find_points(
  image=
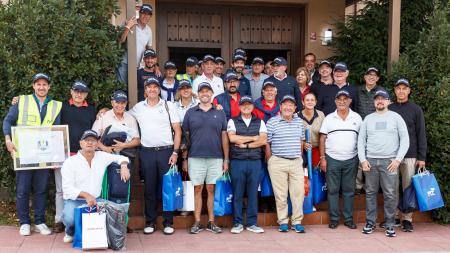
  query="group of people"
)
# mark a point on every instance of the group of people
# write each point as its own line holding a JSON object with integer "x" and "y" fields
{"x": 243, "y": 120}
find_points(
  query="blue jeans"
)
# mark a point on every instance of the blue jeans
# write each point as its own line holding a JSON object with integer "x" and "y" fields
{"x": 245, "y": 177}
{"x": 341, "y": 175}
{"x": 122, "y": 72}
{"x": 25, "y": 181}
{"x": 69, "y": 213}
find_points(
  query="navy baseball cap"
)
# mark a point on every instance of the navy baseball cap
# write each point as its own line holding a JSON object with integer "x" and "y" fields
{"x": 89, "y": 133}
{"x": 220, "y": 59}
{"x": 288, "y": 97}
{"x": 41, "y": 76}
{"x": 191, "y": 61}
{"x": 245, "y": 99}
{"x": 373, "y": 69}
{"x": 381, "y": 93}
{"x": 146, "y": 8}
{"x": 170, "y": 65}
{"x": 258, "y": 60}
{"x": 184, "y": 83}
{"x": 326, "y": 63}
{"x": 343, "y": 93}
{"x": 240, "y": 51}
{"x": 341, "y": 66}
{"x": 238, "y": 57}
{"x": 279, "y": 61}
{"x": 208, "y": 57}
{"x": 268, "y": 83}
{"x": 152, "y": 80}
{"x": 231, "y": 76}
{"x": 119, "y": 96}
{"x": 150, "y": 53}
{"x": 200, "y": 63}
{"x": 80, "y": 86}
{"x": 204, "y": 85}
{"x": 402, "y": 81}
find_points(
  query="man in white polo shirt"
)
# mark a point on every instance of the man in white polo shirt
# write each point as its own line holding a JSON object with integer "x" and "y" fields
{"x": 160, "y": 142}
{"x": 339, "y": 157}
{"x": 208, "y": 66}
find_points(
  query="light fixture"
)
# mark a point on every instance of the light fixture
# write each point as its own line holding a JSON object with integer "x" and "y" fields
{"x": 328, "y": 37}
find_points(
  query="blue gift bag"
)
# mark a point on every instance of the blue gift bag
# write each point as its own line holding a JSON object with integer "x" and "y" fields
{"x": 408, "y": 202}
{"x": 223, "y": 196}
{"x": 172, "y": 190}
{"x": 319, "y": 186}
{"x": 427, "y": 189}
{"x": 266, "y": 184}
{"x": 77, "y": 238}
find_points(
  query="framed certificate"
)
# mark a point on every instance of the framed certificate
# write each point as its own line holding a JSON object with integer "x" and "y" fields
{"x": 40, "y": 147}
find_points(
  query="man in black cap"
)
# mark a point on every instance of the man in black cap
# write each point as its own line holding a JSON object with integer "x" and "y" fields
{"x": 191, "y": 70}
{"x": 238, "y": 66}
{"x": 220, "y": 65}
{"x": 285, "y": 84}
{"x": 229, "y": 100}
{"x": 150, "y": 69}
{"x": 256, "y": 77}
{"x": 169, "y": 84}
{"x": 412, "y": 114}
{"x": 248, "y": 135}
{"x": 143, "y": 39}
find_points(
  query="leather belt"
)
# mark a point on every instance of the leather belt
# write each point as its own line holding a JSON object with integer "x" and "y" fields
{"x": 157, "y": 148}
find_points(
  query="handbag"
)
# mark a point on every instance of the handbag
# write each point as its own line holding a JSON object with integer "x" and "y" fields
{"x": 319, "y": 186}
{"x": 223, "y": 196}
{"x": 116, "y": 224}
{"x": 118, "y": 190}
{"x": 172, "y": 190}
{"x": 427, "y": 191}
{"x": 90, "y": 227}
{"x": 408, "y": 201}
{"x": 188, "y": 196}
{"x": 266, "y": 184}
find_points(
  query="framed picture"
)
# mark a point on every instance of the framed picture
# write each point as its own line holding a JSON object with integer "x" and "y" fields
{"x": 40, "y": 147}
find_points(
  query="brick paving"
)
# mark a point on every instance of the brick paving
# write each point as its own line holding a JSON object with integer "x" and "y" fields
{"x": 427, "y": 237}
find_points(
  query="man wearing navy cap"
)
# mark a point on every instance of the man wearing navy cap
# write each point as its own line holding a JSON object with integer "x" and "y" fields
{"x": 256, "y": 77}
{"x": 383, "y": 142}
{"x": 326, "y": 77}
{"x": 150, "y": 69}
{"x": 191, "y": 70}
{"x": 229, "y": 100}
{"x": 143, "y": 39}
{"x": 286, "y": 84}
{"x": 326, "y": 101}
{"x": 238, "y": 66}
{"x": 208, "y": 66}
{"x": 412, "y": 114}
{"x": 169, "y": 84}
{"x": 339, "y": 157}
{"x": 220, "y": 65}
{"x": 37, "y": 109}
{"x": 247, "y": 135}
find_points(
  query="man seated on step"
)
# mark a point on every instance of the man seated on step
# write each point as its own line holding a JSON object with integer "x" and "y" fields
{"x": 82, "y": 177}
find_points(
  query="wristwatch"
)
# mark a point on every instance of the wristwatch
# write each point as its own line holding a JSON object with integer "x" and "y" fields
{"x": 226, "y": 161}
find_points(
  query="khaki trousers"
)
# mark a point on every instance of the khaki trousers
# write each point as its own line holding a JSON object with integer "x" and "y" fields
{"x": 407, "y": 170}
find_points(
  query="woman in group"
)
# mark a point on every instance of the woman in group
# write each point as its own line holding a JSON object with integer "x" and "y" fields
{"x": 302, "y": 76}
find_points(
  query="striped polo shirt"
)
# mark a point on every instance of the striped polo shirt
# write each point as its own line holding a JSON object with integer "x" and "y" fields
{"x": 286, "y": 137}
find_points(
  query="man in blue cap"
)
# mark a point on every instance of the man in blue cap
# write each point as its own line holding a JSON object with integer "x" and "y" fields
{"x": 229, "y": 100}
{"x": 220, "y": 65}
{"x": 150, "y": 69}
{"x": 169, "y": 84}
{"x": 256, "y": 77}
{"x": 191, "y": 70}
{"x": 247, "y": 135}
{"x": 238, "y": 66}
{"x": 208, "y": 66}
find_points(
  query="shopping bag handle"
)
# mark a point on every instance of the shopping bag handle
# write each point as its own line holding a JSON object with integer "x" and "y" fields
{"x": 423, "y": 171}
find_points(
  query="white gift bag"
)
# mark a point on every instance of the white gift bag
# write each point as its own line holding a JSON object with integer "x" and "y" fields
{"x": 188, "y": 196}
{"x": 94, "y": 230}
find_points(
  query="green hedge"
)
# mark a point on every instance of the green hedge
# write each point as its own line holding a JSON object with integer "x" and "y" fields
{"x": 68, "y": 40}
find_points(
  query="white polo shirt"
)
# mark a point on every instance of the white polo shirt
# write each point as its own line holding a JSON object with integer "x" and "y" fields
{"x": 143, "y": 39}
{"x": 154, "y": 122}
{"x": 342, "y": 135}
{"x": 216, "y": 84}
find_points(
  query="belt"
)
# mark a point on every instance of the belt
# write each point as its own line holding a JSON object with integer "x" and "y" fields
{"x": 157, "y": 148}
{"x": 289, "y": 158}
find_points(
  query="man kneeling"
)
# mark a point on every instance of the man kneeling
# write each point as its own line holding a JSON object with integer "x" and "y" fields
{"x": 82, "y": 177}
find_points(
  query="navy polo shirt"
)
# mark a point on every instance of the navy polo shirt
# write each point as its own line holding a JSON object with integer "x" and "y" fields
{"x": 143, "y": 75}
{"x": 205, "y": 132}
{"x": 287, "y": 86}
{"x": 327, "y": 95}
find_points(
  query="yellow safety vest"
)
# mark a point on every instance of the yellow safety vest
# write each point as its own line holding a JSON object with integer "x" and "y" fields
{"x": 184, "y": 76}
{"x": 29, "y": 112}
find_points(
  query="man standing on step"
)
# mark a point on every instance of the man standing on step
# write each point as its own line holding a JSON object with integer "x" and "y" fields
{"x": 338, "y": 157}
{"x": 382, "y": 144}
{"x": 412, "y": 114}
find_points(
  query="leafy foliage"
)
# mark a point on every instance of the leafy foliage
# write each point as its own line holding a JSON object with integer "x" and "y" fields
{"x": 68, "y": 40}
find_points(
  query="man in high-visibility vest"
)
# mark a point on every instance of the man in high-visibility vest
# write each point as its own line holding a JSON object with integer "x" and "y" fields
{"x": 191, "y": 70}
{"x": 36, "y": 109}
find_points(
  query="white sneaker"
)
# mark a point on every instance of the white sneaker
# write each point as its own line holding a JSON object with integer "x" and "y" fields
{"x": 149, "y": 230}
{"x": 168, "y": 230}
{"x": 68, "y": 238}
{"x": 25, "y": 230}
{"x": 255, "y": 229}
{"x": 237, "y": 228}
{"x": 42, "y": 229}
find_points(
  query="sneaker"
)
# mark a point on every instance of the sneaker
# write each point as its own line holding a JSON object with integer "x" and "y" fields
{"x": 283, "y": 228}
{"x": 255, "y": 229}
{"x": 407, "y": 226}
{"x": 196, "y": 228}
{"x": 237, "y": 228}
{"x": 42, "y": 229}
{"x": 368, "y": 229}
{"x": 212, "y": 227}
{"x": 149, "y": 229}
{"x": 397, "y": 223}
{"x": 25, "y": 230}
{"x": 350, "y": 224}
{"x": 168, "y": 230}
{"x": 390, "y": 232}
{"x": 68, "y": 238}
{"x": 299, "y": 228}
{"x": 333, "y": 224}
{"x": 58, "y": 227}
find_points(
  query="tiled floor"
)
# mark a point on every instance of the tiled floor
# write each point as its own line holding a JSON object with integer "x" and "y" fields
{"x": 427, "y": 237}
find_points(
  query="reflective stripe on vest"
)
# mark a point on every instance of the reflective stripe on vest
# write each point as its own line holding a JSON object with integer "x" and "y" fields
{"x": 29, "y": 112}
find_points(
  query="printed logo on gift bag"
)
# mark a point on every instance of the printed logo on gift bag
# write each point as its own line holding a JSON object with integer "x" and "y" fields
{"x": 230, "y": 198}
{"x": 178, "y": 192}
{"x": 431, "y": 193}
{"x": 324, "y": 188}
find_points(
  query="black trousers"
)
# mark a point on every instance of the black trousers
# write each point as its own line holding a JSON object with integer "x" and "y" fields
{"x": 154, "y": 165}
